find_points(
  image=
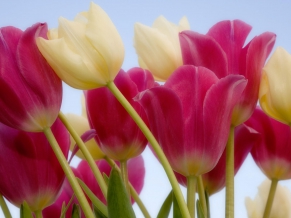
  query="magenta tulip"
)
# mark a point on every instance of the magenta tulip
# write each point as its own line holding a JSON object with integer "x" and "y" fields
{"x": 272, "y": 153}
{"x": 221, "y": 50}
{"x": 190, "y": 116}
{"x": 30, "y": 91}
{"x": 29, "y": 170}
{"x": 117, "y": 134}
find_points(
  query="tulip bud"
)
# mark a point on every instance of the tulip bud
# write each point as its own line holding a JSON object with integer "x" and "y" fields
{"x": 158, "y": 48}
{"x": 86, "y": 53}
{"x": 275, "y": 86}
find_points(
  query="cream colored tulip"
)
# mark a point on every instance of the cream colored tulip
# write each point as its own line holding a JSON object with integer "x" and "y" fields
{"x": 158, "y": 47}
{"x": 275, "y": 87}
{"x": 281, "y": 204}
{"x": 87, "y": 52}
{"x": 81, "y": 125}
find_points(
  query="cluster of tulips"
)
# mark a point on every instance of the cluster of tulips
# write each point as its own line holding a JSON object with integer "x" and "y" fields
{"x": 193, "y": 101}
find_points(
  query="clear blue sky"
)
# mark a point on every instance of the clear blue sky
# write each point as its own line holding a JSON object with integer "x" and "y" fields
{"x": 263, "y": 15}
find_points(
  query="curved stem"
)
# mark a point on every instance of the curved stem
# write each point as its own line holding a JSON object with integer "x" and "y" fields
{"x": 69, "y": 174}
{"x": 133, "y": 192}
{"x": 229, "y": 189}
{"x": 155, "y": 145}
{"x": 4, "y": 207}
{"x": 270, "y": 200}
{"x": 191, "y": 194}
{"x": 201, "y": 193}
{"x": 96, "y": 172}
{"x": 124, "y": 175}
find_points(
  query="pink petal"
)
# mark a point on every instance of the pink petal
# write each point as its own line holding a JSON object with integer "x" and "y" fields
{"x": 142, "y": 78}
{"x": 203, "y": 50}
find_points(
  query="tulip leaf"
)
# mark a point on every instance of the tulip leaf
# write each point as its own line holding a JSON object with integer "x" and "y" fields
{"x": 76, "y": 212}
{"x": 65, "y": 208}
{"x": 166, "y": 207}
{"x": 118, "y": 201}
{"x": 200, "y": 212}
{"x": 176, "y": 208}
{"x": 106, "y": 179}
{"x": 25, "y": 211}
{"x": 98, "y": 213}
{"x": 96, "y": 202}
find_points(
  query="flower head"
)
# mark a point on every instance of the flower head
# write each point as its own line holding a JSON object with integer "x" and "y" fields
{"x": 30, "y": 91}
{"x": 158, "y": 47}
{"x": 87, "y": 52}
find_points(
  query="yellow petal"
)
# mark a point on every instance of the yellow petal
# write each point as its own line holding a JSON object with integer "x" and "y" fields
{"x": 104, "y": 37}
{"x": 81, "y": 125}
{"x": 275, "y": 89}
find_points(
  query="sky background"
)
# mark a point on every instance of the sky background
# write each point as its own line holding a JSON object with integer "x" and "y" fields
{"x": 262, "y": 15}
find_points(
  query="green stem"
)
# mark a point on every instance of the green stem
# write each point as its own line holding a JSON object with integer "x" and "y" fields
{"x": 69, "y": 173}
{"x": 4, "y": 207}
{"x": 229, "y": 189}
{"x": 270, "y": 198}
{"x": 133, "y": 192}
{"x": 207, "y": 204}
{"x": 38, "y": 214}
{"x": 201, "y": 193}
{"x": 191, "y": 194}
{"x": 155, "y": 145}
{"x": 96, "y": 172}
{"x": 124, "y": 175}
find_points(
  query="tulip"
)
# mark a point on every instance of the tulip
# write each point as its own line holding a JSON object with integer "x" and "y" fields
{"x": 190, "y": 117}
{"x": 29, "y": 170}
{"x": 221, "y": 50}
{"x": 281, "y": 205}
{"x": 86, "y": 53}
{"x": 275, "y": 86}
{"x": 158, "y": 48}
{"x": 30, "y": 91}
{"x": 117, "y": 134}
{"x": 272, "y": 153}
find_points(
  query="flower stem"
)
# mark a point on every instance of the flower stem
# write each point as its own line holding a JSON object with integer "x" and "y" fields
{"x": 38, "y": 214}
{"x": 191, "y": 194}
{"x": 133, "y": 192}
{"x": 229, "y": 189}
{"x": 69, "y": 173}
{"x": 201, "y": 193}
{"x": 4, "y": 207}
{"x": 96, "y": 172}
{"x": 270, "y": 198}
{"x": 155, "y": 145}
{"x": 124, "y": 175}
{"x": 207, "y": 204}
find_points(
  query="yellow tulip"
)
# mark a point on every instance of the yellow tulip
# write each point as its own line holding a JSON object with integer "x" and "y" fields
{"x": 158, "y": 48}
{"x": 275, "y": 87}
{"x": 281, "y": 203}
{"x": 81, "y": 125}
{"x": 87, "y": 52}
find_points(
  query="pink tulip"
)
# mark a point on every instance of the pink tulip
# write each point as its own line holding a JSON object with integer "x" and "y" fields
{"x": 117, "y": 134}
{"x": 221, "y": 50}
{"x": 272, "y": 153}
{"x": 190, "y": 116}
{"x": 136, "y": 177}
{"x": 30, "y": 91}
{"x": 29, "y": 170}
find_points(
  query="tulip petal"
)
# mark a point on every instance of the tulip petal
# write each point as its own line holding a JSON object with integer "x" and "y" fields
{"x": 142, "y": 78}
{"x": 111, "y": 49}
{"x": 203, "y": 50}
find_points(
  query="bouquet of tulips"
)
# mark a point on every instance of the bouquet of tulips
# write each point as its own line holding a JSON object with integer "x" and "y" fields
{"x": 193, "y": 101}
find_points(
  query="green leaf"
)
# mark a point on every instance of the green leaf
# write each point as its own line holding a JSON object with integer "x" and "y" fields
{"x": 98, "y": 213}
{"x": 200, "y": 212}
{"x": 96, "y": 202}
{"x": 166, "y": 207}
{"x": 25, "y": 211}
{"x": 176, "y": 208}
{"x": 76, "y": 212}
{"x": 65, "y": 208}
{"x": 105, "y": 177}
{"x": 118, "y": 201}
